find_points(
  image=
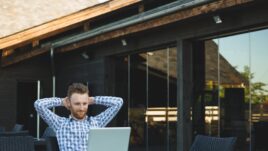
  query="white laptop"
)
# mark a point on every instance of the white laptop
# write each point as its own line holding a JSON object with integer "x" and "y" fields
{"x": 108, "y": 139}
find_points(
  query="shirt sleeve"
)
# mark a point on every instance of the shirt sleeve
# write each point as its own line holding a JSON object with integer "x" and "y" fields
{"x": 43, "y": 107}
{"x": 113, "y": 103}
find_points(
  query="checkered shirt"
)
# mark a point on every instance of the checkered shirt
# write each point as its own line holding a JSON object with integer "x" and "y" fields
{"x": 72, "y": 134}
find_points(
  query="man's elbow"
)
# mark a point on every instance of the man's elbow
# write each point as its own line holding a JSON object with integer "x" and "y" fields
{"x": 37, "y": 104}
{"x": 120, "y": 102}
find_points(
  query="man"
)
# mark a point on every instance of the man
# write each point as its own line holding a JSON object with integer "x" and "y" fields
{"x": 72, "y": 132}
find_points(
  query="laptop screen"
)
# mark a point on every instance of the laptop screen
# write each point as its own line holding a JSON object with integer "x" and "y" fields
{"x": 109, "y": 139}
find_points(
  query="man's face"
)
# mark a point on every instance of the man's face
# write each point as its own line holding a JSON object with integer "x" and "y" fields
{"x": 79, "y": 105}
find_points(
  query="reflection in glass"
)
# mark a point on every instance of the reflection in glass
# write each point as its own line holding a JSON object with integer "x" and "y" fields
{"x": 211, "y": 95}
{"x": 151, "y": 92}
{"x": 259, "y": 89}
{"x": 138, "y": 102}
{"x": 241, "y": 86}
{"x": 157, "y": 97}
{"x": 233, "y": 84}
{"x": 172, "y": 99}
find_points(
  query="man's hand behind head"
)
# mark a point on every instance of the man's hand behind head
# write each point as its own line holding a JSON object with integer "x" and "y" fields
{"x": 66, "y": 103}
{"x": 91, "y": 100}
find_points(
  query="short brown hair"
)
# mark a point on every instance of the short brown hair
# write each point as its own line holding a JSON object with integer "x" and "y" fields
{"x": 77, "y": 88}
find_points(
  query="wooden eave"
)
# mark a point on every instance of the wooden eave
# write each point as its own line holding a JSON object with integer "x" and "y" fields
{"x": 168, "y": 19}
{"x": 62, "y": 24}
{"x": 157, "y": 22}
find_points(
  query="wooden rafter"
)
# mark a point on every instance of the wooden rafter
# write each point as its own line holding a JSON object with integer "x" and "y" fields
{"x": 9, "y": 60}
{"x": 86, "y": 26}
{"x": 177, "y": 16}
{"x": 62, "y": 24}
{"x": 35, "y": 43}
{"x": 7, "y": 52}
{"x": 171, "y": 18}
{"x": 141, "y": 7}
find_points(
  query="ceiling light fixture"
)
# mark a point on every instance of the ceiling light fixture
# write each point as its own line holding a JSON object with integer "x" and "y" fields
{"x": 217, "y": 19}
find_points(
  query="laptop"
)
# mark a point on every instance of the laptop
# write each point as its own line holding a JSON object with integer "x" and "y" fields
{"x": 108, "y": 139}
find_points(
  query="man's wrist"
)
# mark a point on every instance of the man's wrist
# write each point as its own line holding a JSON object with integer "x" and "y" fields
{"x": 62, "y": 101}
{"x": 91, "y": 100}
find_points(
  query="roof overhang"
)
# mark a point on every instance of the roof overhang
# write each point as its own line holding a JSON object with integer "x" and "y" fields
{"x": 60, "y": 25}
{"x": 141, "y": 23}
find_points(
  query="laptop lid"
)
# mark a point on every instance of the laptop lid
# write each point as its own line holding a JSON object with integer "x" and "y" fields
{"x": 108, "y": 139}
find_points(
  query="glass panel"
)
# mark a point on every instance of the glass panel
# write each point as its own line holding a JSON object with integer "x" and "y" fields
{"x": 121, "y": 88}
{"x": 236, "y": 90}
{"x": 152, "y": 94}
{"x": 138, "y": 104}
{"x": 259, "y": 89}
{"x": 210, "y": 101}
{"x": 148, "y": 81}
{"x": 172, "y": 99}
{"x": 234, "y": 64}
{"x": 156, "y": 115}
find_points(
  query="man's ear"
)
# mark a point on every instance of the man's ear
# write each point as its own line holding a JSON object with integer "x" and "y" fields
{"x": 68, "y": 102}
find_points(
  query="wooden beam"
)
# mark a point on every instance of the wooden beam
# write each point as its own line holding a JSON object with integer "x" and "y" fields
{"x": 168, "y": 19}
{"x": 141, "y": 8}
{"x": 7, "y": 52}
{"x": 15, "y": 58}
{"x": 62, "y": 24}
{"x": 35, "y": 43}
{"x": 86, "y": 26}
{"x": 214, "y": 6}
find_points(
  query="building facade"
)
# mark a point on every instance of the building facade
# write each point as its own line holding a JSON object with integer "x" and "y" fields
{"x": 182, "y": 67}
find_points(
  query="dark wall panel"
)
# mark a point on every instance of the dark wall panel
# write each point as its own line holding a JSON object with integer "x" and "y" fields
{"x": 31, "y": 70}
{"x": 72, "y": 67}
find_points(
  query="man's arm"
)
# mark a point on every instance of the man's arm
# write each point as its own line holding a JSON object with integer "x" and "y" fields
{"x": 113, "y": 103}
{"x": 43, "y": 107}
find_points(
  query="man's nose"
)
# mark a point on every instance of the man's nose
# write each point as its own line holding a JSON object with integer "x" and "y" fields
{"x": 81, "y": 107}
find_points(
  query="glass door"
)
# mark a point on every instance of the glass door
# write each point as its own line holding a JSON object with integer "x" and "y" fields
{"x": 235, "y": 95}
{"x": 148, "y": 83}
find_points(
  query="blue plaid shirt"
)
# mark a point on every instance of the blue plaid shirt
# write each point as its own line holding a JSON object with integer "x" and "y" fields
{"x": 72, "y": 134}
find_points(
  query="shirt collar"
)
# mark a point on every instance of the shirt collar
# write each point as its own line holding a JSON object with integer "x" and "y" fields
{"x": 73, "y": 118}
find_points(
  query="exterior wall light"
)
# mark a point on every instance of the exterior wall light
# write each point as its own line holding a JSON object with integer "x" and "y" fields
{"x": 124, "y": 42}
{"x": 85, "y": 55}
{"x": 217, "y": 19}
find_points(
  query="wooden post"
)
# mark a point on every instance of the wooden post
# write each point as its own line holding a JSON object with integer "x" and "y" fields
{"x": 184, "y": 93}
